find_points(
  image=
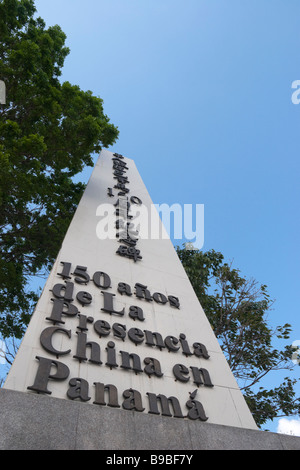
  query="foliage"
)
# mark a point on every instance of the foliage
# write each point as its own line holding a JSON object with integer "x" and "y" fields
{"x": 48, "y": 131}
{"x": 237, "y": 309}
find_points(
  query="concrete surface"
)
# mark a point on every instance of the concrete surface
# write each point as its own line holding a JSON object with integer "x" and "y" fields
{"x": 31, "y": 421}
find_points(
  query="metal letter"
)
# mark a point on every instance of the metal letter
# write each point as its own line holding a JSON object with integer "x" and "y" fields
{"x": 44, "y": 374}
{"x": 112, "y": 395}
{"x": 108, "y": 304}
{"x": 46, "y": 340}
{"x": 79, "y": 388}
{"x": 179, "y": 370}
{"x": 133, "y": 400}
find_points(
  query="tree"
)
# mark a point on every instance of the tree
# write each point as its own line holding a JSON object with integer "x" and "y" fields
{"x": 48, "y": 133}
{"x": 237, "y": 310}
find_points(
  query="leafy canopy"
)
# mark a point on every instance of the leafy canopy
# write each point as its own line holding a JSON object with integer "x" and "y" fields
{"x": 237, "y": 309}
{"x": 48, "y": 132}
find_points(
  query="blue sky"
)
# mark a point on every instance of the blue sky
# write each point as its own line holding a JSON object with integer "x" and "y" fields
{"x": 201, "y": 93}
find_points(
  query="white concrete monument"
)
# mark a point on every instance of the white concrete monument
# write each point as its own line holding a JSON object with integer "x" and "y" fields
{"x": 118, "y": 323}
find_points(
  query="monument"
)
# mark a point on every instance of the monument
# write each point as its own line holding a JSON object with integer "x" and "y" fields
{"x": 118, "y": 341}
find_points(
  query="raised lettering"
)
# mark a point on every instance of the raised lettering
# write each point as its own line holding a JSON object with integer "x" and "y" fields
{"x": 46, "y": 340}
{"x": 44, "y": 373}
